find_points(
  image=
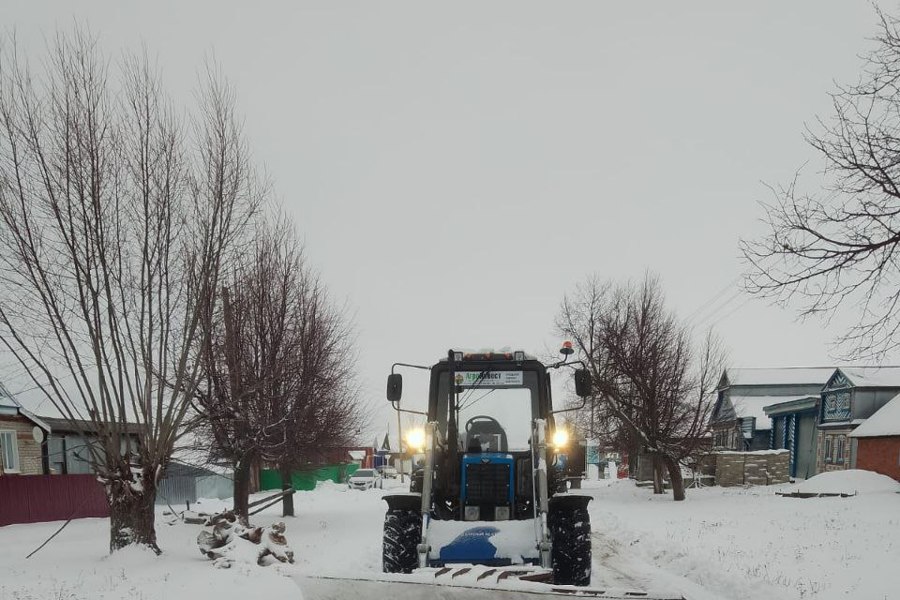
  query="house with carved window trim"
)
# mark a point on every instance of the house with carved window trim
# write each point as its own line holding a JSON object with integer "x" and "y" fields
{"x": 849, "y": 398}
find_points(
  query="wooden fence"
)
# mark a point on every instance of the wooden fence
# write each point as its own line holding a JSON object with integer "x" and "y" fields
{"x": 37, "y": 498}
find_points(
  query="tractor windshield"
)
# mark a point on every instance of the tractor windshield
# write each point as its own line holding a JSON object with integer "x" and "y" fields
{"x": 494, "y": 409}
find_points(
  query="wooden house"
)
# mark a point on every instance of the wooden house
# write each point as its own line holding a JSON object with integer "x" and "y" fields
{"x": 67, "y": 449}
{"x": 850, "y": 396}
{"x": 739, "y": 420}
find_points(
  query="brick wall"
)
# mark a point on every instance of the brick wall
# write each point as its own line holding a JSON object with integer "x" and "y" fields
{"x": 29, "y": 450}
{"x": 766, "y": 467}
{"x": 880, "y": 454}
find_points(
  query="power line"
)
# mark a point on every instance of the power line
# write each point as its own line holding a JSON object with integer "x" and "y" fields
{"x": 731, "y": 312}
{"x": 699, "y": 310}
{"x": 718, "y": 309}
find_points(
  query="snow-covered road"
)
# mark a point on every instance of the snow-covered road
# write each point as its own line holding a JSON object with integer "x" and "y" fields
{"x": 737, "y": 543}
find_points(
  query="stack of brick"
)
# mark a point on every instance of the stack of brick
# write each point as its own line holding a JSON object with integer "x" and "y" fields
{"x": 766, "y": 467}
{"x": 778, "y": 467}
{"x": 755, "y": 471}
{"x": 730, "y": 469}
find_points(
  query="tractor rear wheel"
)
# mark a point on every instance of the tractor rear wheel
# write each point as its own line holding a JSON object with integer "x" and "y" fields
{"x": 570, "y": 531}
{"x": 402, "y": 534}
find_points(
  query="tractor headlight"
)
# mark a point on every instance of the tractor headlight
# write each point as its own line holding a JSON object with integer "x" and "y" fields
{"x": 560, "y": 438}
{"x": 415, "y": 438}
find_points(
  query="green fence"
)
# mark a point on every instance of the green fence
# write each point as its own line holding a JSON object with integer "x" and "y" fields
{"x": 270, "y": 479}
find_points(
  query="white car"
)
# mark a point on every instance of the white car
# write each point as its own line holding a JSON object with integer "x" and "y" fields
{"x": 365, "y": 479}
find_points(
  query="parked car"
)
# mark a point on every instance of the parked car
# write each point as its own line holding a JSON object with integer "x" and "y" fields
{"x": 365, "y": 479}
{"x": 388, "y": 472}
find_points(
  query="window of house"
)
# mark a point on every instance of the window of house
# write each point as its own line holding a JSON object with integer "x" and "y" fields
{"x": 827, "y": 452}
{"x": 839, "y": 450}
{"x": 9, "y": 451}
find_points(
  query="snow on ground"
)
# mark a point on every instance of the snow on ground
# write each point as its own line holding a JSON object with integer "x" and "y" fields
{"x": 748, "y": 543}
{"x": 741, "y": 543}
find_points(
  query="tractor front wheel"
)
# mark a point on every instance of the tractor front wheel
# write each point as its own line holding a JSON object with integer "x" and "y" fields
{"x": 570, "y": 531}
{"x": 402, "y": 533}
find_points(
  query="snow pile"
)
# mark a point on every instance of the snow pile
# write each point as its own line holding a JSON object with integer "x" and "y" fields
{"x": 851, "y": 481}
{"x": 328, "y": 484}
{"x": 229, "y": 542}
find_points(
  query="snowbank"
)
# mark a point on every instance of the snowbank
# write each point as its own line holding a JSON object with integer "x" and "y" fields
{"x": 851, "y": 481}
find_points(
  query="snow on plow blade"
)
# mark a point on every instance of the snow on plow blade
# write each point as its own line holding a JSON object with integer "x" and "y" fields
{"x": 461, "y": 583}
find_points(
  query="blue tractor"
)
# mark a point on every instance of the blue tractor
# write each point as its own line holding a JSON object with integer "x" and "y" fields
{"x": 487, "y": 493}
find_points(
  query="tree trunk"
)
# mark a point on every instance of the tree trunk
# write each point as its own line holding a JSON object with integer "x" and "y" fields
{"x": 675, "y": 477}
{"x": 242, "y": 490}
{"x": 132, "y": 513}
{"x": 658, "y": 487}
{"x": 287, "y": 502}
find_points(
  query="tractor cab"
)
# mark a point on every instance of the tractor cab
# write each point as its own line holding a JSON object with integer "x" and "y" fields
{"x": 489, "y": 412}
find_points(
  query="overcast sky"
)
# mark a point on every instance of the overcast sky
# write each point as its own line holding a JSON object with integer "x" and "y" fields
{"x": 455, "y": 168}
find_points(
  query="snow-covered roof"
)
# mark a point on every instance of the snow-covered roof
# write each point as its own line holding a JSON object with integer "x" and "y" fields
{"x": 885, "y": 421}
{"x": 752, "y": 406}
{"x": 873, "y": 376}
{"x": 780, "y": 376}
{"x": 7, "y": 399}
{"x": 357, "y": 454}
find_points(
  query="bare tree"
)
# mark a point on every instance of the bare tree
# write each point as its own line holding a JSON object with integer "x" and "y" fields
{"x": 279, "y": 370}
{"x": 648, "y": 374}
{"x": 838, "y": 246}
{"x": 325, "y": 410}
{"x": 251, "y": 356}
{"x": 113, "y": 232}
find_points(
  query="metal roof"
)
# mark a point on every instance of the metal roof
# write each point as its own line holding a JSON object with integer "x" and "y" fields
{"x": 7, "y": 399}
{"x": 873, "y": 376}
{"x": 780, "y": 376}
{"x": 754, "y": 406}
{"x": 58, "y": 425}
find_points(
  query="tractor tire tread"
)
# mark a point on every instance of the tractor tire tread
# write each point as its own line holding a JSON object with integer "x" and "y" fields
{"x": 402, "y": 534}
{"x": 570, "y": 557}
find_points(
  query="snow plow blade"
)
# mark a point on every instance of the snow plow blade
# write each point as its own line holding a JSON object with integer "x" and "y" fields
{"x": 462, "y": 583}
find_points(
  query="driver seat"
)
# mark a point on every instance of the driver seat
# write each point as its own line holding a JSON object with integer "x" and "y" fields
{"x": 486, "y": 436}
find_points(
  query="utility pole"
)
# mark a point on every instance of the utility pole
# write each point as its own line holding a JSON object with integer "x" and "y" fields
{"x": 400, "y": 446}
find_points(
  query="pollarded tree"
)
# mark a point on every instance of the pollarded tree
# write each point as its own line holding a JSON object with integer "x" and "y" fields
{"x": 838, "y": 246}
{"x": 648, "y": 373}
{"x": 115, "y": 222}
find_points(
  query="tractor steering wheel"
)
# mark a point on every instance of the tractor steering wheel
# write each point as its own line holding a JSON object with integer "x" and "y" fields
{"x": 485, "y": 429}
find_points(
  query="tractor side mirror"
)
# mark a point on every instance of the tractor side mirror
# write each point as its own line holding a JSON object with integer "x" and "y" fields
{"x": 394, "y": 387}
{"x": 583, "y": 383}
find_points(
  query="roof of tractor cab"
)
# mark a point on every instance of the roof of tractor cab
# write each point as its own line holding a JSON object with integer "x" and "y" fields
{"x": 491, "y": 355}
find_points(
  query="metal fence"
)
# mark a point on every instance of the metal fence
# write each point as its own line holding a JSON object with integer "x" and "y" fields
{"x": 176, "y": 490}
{"x": 270, "y": 479}
{"x": 37, "y": 498}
